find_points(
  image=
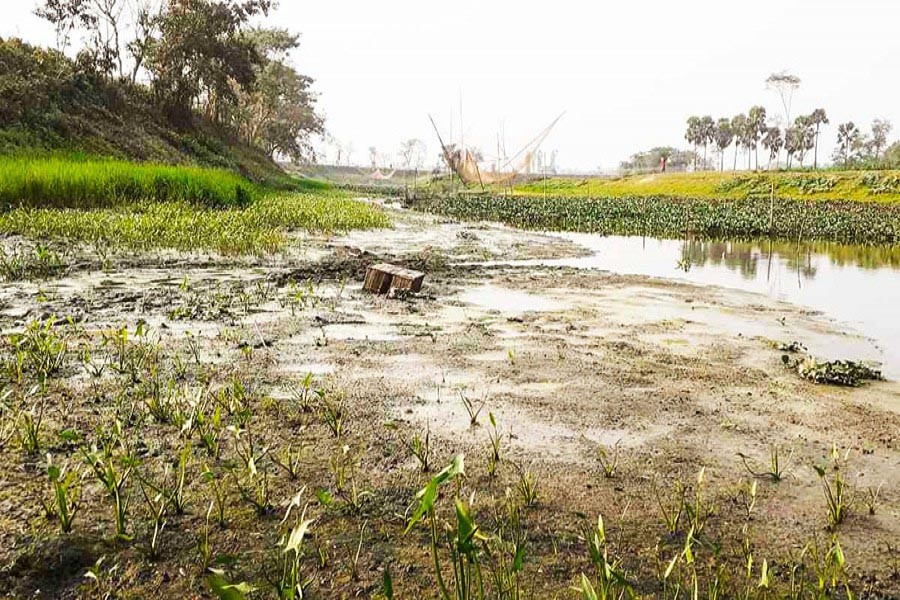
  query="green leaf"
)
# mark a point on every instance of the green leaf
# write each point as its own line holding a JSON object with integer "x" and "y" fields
{"x": 223, "y": 590}
{"x": 387, "y": 584}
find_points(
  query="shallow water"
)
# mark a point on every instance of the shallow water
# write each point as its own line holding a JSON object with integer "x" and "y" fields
{"x": 859, "y": 286}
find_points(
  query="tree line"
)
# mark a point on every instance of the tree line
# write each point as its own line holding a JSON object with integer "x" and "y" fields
{"x": 748, "y": 131}
{"x": 196, "y": 57}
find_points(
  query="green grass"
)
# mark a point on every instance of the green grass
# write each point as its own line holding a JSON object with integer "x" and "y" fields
{"x": 867, "y": 186}
{"x": 116, "y": 204}
{"x": 96, "y": 183}
{"x": 256, "y": 229}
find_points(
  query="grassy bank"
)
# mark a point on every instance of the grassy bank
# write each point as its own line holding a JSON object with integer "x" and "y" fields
{"x": 663, "y": 216}
{"x": 97, "y": 183}
{"x": 868, "y": 186}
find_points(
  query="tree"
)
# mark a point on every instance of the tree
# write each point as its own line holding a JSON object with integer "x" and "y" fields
{"x": 785, "y": 85}
{"x": 817, "y": 118}
{"x": 791, "y": 143}
{"x": 707, "y": 134}
{"x": 202, "y": 55}
{"x": 146, "y": 15}
{"x": 773, "y": 142}
{"x": 277, "y": 112}
{"x": 724, "y": 137}
{"x": 413, "y": 153}
{"x": 803, "y": 136}
{"x": 65, "y": 16}
{"x": 739, "y": 125}
{"x": 880, "y": 130}
{"x": 848, "y": 138}
{"x": 756, "y": 128}
{"x": 694, "y": 134}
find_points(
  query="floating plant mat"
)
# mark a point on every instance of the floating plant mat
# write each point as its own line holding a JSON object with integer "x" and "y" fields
{"x": 834, "y": 372}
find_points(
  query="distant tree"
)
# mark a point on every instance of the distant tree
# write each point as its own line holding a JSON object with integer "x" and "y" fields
{"x": 707, "y": 134}
{"x": 848, "y": 138}
{"x": 804, "y": 136}
{"x": 724, "y": 137}
{"x": 881, "y": 128}
{"x": 891, "y": 158}
{"x": 773, "y": 142}
{"x": 412, "y": 152}
{"x": 739, "y": 125}
{"x": 785, "y": 84}
{"x": 694, "y": 134}
{"x": 817, "y": 118}
{"x": 651, "y": 159}
{"x": 756, "y": 128}
{"x": 791, "y": 144}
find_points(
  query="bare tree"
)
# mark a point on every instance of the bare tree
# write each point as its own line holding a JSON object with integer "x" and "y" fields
{"x": 785, "y": 84}
{"x": 880, "y": 130}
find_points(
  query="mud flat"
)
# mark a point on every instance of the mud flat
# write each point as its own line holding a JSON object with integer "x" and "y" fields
{"x": 669, "y": 377}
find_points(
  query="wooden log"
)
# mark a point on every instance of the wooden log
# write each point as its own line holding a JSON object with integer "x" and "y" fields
{"x": 383, "y": 277}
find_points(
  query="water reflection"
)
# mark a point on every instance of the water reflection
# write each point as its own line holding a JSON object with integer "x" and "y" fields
{"x": 858, "y": 286}
{"x": 746, "y": 257}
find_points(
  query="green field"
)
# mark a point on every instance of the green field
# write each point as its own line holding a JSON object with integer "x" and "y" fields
{"x": 116, "y": 204}
{"x": 874, "y": 186}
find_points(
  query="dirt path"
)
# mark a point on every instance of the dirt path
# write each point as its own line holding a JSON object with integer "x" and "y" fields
{"x": 669, "y": 377}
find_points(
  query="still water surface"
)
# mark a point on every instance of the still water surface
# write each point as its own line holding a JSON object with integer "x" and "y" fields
{"x": 858, "y": 286}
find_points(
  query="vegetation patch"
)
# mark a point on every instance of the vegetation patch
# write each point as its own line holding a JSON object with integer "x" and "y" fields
{"x": 257, "y": 228}
{"x": 661, "y": 216}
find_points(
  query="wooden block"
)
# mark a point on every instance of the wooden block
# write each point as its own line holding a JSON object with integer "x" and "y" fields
{"x": 378, "y": 279}
{"x": 383, "y": 277}
{"x": 407, "y": 279}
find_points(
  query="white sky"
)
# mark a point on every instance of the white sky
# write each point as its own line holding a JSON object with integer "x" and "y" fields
{"x": 627, "y": 73}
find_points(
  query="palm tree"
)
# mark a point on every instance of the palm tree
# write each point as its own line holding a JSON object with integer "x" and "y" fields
{"x": 724, "y": 137}
{"x": 707, "y": 134}
{"x": 848, "y": 137}
{"x": 739, "y": 125}
{"x": 757, "y": 118}
{"x": 804, "y": 134}
{"x": 693, "y": 135}
{"x": 773, "y": 142}
{"x": 817, "y": 118}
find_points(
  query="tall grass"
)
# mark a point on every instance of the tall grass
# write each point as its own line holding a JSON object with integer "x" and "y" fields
{"x": 97, "y": 183}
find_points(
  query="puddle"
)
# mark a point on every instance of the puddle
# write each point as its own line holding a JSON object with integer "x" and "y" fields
{"x": 858, "y": 286}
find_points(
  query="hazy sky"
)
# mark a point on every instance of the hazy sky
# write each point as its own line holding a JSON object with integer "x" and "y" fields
{"x": 627, "y": 74}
